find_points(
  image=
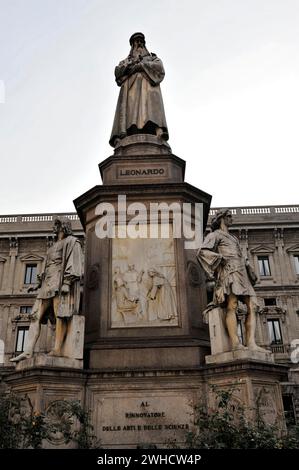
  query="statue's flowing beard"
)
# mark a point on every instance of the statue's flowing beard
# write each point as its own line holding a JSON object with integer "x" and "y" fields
{"x": 138, "y": 51}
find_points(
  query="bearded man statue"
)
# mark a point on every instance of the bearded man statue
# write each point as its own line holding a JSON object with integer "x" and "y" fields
{"x": 140, "y": 107}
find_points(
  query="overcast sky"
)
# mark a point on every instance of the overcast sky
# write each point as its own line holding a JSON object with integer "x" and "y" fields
{"x": 231, "y": 95}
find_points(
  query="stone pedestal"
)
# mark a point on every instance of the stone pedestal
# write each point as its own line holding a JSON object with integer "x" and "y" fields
{"x": 45, "y": 381}
{"x": 128, "y": 409}
{"x": 43, "y": 360}
{"x": 166, "y": 331}
{"x": 142, "y": 159}
{"x": 135, "y": 408}
{"x": 238, "y": 355}
{"x": 251, "y": 376}
{"x": 72, "y": 352}
{"x": 220, "y": 341}
{"x": 142, "y": 409}
{"x": 74, "y": 342}
{"x": 254, "y": 385}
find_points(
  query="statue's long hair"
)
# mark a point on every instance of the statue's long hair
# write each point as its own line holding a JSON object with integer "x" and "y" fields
{"x": 216, "y": 220}
{"x": 65, "y": 225}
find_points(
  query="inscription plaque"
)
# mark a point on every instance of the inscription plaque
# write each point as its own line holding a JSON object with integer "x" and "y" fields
{"x": 158, "y": 419}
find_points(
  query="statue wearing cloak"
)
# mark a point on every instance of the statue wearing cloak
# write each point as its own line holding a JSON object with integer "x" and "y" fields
{"x": 231, "y": 277}
{"x": 58, "y": 297}
{"x": 140, "y": 106}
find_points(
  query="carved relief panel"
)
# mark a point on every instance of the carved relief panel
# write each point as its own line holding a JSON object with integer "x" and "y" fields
{"x": 143, "y": 283}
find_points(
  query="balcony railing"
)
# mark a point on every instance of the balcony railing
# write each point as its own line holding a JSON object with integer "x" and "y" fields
{"x": 278, "y": 348}
{"x": 260, "y": 210}
{"x": 35, "y": 218}
{"x": 239, "y": 212}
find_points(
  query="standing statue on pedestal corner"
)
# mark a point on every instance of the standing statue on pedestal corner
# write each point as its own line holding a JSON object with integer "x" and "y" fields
{"x": 58, "y": 290}
{"x": 140, "y": 108}
{"x": 221, "y": 257}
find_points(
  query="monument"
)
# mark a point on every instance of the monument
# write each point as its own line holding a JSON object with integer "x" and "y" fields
{"x": 144, "y": 330}
{"x": 221, "y": 257}
{"x": 146, "y": 346}
{"x": 140, "y": 108}
{"x": 58, "y": 300}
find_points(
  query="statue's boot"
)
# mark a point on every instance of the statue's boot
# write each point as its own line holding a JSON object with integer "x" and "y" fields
{"x": 239, "y": 347}
{"x": 255, "y": 347}
{"x": 54, "y": 353}
{"x": 21, "y": 357}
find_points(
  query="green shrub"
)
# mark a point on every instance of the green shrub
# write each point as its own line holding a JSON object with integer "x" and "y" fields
{"x": 23, "y": 428}
{"x": 226, "y": 427}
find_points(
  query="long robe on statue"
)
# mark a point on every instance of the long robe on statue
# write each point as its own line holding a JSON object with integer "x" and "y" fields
{"x": 162, "y": 304}
{"x": 64, "y": 265}
{"x": 140, "y": 102}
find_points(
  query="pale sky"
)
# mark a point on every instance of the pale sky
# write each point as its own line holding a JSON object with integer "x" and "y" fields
{"x": 231, "y": 95}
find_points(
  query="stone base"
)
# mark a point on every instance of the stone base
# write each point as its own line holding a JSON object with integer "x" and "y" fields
{"x": 42, "y": 360}
{"x": 141, "y": 144}
{"x": 129, "y": 409}
{"x": 44, "y": 386}
{"x": 153, "y": 408}
{"x": 74, "y": 342}
{"x": 240, "y": 355}
{"x": 169, "y": 356}
{"x": 136, "y": 169}
{"x": 144, "y": 409}
{"x": 220, "y": 341}
{"x": 253, "y": 384}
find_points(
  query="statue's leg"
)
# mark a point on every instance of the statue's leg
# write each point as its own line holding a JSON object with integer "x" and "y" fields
{"x": 34, "y": 332}
{"x": 250, "y": 325}
{"x": 231, "y": 321}
{"x": 61, "y": 330}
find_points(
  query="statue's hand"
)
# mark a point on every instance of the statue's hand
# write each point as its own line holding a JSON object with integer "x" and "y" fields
{"x": 40, "y": 278}
{"x": 65, "y": 289}
{"x": 136, "y": 68}
{"x": 33, "y": 289}
{"x": 135, "y": 61}
{"x": 210, "y": 285}
{"x": 223, "y": 262}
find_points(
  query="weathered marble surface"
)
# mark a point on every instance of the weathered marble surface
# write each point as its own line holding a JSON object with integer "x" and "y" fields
{"x": 143, "y": 282}
{"x": 43, "y": 360}
{"x": 238, "y": 355}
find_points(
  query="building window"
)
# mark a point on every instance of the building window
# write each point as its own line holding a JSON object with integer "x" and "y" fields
{"x": 264, "y": 266}
{"x": 296, "y": 261}
{"x": 240, "y": 332}
{"x": 22, "y": 336}
{"x": 30, "y": 274}
{"x": 25, "y": 309}
{"x": 269, "y": 301}
{"x": 274, "y": 332}
{"x": 1, "y": 351}
{"x": 289, "y": 412}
